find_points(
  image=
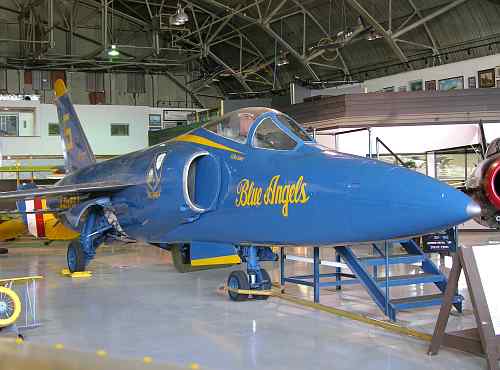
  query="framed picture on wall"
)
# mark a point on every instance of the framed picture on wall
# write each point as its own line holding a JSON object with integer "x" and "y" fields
{"x": 155, "y": 122}
{"x": 430, "y": 85}
{"x": 417, "y": 85}
{"x": 472, "y": 82}
{"x": 453, "y": 83}
{"x": 486, "y": 78}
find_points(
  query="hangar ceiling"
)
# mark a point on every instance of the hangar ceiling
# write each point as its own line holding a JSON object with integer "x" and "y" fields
{"x": 247, "y": 46}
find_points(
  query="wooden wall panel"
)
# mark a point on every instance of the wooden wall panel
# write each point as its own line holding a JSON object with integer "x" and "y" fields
{"x": 399, "y": 108}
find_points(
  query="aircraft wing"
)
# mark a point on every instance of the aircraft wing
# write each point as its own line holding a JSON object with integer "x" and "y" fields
{"x": 57, "y": 190}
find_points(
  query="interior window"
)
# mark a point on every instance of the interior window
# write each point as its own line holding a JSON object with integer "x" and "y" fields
{"x": 294, "y": 127}
{"x": 269, "y": 136}
{"x": 234, "y": 127}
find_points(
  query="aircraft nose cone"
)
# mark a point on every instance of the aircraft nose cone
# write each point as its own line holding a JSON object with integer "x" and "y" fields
{"x": 473, "y": 209}
{"x": 389, "y": 202}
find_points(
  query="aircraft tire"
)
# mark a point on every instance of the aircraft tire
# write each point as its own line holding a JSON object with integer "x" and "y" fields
{"x": 75, "y": 256}
{"x": 10, "y": 307}
{"x": 266, "y": 286}
{"x": 238, "y": 280}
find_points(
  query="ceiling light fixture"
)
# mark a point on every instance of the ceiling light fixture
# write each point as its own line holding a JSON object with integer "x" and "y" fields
{"x": 180, "y": 17}
{"x": 113, "y": 51}
{"x": 373, "y": 35}
{"x": 282, "y": 60}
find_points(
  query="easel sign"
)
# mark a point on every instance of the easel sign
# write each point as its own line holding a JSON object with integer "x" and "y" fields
{"x": 480, "y": 266}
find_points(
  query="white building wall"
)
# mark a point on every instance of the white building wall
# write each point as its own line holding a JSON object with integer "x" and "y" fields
{"x": 96, "y": 121}
{"x": 466, "y": 68}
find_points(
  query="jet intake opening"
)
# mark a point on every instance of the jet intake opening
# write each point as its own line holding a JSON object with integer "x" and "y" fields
{"x": 492, "y": 184}
{"x": 201, "y": 182}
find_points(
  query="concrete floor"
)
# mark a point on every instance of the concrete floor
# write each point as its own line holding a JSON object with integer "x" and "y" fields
{"x": 136, "y": 305}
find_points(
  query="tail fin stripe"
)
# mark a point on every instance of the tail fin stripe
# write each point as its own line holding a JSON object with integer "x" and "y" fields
{"x": 31, "y": 219}
{"x": 40, "y": 222}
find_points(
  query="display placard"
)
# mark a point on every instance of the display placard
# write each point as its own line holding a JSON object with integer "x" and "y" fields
{"x": 479, "y": 264}
{"x": 487, "y": 258}
{"x": 442, "y": 241}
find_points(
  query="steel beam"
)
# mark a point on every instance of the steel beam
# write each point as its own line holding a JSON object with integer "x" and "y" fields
{"x": 209, "y": 12}
{"x": 381, "y": 30}
{"x": 427, "y": 18}
{"x": 118, "y": 13}
{"x": 198, "y": 31}
{"x": 426, "y": 26}
{"x": 268, "y": 17}
{"x": 221, "y": 26}
{"x": 50, "y": 4}
{"x": 184, "y": 87}
{"x": 236, "y": 75}
{"x": 266, "y": 27}
{"x": 417, "y": 44}
{"x": 295, "y": 53}
{"x": 322, "y": 29}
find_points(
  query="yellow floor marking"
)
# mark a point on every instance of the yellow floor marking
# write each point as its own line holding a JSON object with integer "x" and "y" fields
{"x": 147, "y": 360}
{"x": 101, "y": 353}
{"x": 79, "y": 274}
{"x": 387, "y": 325}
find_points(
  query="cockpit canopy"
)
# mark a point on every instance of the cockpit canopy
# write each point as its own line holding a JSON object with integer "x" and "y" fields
{"x": 273, "y": 131}
{"x": 493, "y": 148}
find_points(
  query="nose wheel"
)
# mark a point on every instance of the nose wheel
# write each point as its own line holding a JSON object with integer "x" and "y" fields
{"x": 76, "y": 257}
{"x": 237, "y": 282}
{"x": 255, "y": 283}
{"x": 93, "y": 232}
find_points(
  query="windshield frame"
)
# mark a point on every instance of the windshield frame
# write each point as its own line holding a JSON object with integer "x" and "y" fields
{"x": 279, "y": 125}
{"x": 311, "y": 139}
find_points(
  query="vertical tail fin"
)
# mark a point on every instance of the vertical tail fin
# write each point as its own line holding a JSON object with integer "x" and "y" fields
{"x": 77, "y": 151}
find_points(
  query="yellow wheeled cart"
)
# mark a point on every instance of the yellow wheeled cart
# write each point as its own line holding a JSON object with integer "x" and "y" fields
{"x": 11, "y": 307}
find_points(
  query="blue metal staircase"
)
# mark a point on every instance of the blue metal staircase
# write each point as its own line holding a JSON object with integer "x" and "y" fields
{"x": 379, "y": 287}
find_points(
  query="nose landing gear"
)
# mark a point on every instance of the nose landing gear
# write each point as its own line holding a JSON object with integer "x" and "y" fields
{"x": 256, "y": 282}
{"x": 82, "y": 250}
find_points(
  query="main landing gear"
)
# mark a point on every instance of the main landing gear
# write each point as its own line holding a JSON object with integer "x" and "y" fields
{"x": 93, "y": 232}
{"x": 255, "y": 281}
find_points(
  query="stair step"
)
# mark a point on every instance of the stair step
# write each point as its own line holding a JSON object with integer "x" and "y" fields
{"x": 420, "y": 301}
{"x": 411, "y": 279}
{"x": 393, "y": 259}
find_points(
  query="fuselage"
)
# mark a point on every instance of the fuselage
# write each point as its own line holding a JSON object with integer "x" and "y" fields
{"x": 206, "y": 187}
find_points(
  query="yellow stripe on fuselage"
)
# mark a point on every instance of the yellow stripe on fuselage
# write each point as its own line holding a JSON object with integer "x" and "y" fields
{"x": 190, "y": 138}
{"x": 221, "y": 260}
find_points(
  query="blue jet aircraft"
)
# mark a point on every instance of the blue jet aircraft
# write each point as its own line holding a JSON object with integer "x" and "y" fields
{"x": 225, "y": 193}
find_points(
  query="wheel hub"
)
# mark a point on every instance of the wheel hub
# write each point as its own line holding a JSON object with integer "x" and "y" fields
{"x": 3, "y": 307}
{"x": 233, "y": 283}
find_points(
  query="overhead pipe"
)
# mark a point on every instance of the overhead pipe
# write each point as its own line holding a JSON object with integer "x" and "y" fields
{"x": 104, "y": 23}
{"x": 50, "y": 7}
